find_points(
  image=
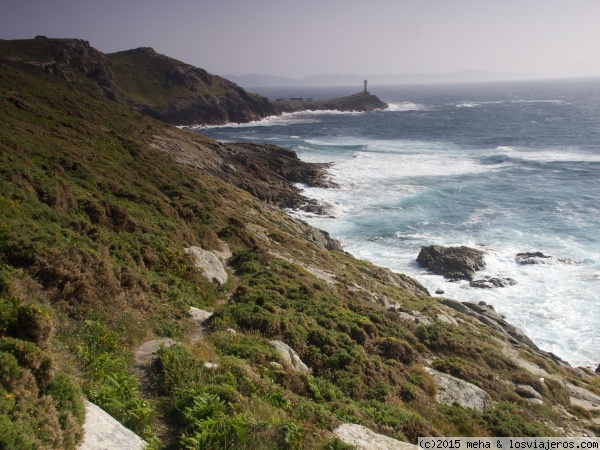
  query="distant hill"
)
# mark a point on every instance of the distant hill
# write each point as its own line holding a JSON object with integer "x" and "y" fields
{"x": 465, "y": 76}
{"x": 142, "y": 80}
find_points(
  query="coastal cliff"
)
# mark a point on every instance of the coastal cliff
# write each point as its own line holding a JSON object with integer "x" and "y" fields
{"x": 113, "y": 226}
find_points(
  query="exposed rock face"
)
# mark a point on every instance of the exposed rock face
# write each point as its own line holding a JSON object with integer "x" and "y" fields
{"x": 362, "y": 101}
{"x": 265, "y": 171}
{"x": 454, "y": 390}
{"x": 290, "y": 357}
{"x": 364, "y": 439}
{"x": 317, "y": 236}
{"x": 212, "y": 268}
{"x": 452, "y": 262}
{"x": 487, "y": 282}
{"x": 102, "y": 432}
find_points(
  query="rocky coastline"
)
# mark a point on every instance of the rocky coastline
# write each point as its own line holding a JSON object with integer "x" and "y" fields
{"x": 117, "y": 228}
{"x": 359, "y": 102}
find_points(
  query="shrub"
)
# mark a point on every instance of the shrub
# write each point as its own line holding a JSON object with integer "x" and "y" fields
{"x": 398, "y": 349}
{"x": 506, "y": 419}
{"x": 9, "y": 310}
{"x": 176, "y": 369}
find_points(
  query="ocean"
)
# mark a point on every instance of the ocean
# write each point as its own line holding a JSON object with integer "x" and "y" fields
{"x": 506, "y": 168}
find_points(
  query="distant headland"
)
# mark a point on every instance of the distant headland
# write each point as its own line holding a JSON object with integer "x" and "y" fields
{"x": 361, "y": 101}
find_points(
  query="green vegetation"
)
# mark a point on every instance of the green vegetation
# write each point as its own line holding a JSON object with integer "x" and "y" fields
{"x": 40, "y": 405}
{"x": 93, "y": 223}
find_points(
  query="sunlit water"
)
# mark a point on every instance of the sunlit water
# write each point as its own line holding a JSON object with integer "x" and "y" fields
{"x": 507, "y": 168}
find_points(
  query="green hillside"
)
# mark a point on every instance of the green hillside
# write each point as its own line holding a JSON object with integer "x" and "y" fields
{"x": 97, "y": 204}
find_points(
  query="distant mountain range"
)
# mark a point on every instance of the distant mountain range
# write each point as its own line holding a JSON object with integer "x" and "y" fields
{"x": 465, "y": 76}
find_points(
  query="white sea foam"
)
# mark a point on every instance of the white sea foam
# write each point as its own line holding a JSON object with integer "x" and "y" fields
{"x": 405, "y": 106}
{"x": 568, "y": 154}
{"x": 413, "y": 182}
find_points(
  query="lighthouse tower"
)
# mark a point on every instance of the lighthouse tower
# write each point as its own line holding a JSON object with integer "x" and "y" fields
{"x": 366, "y": 92}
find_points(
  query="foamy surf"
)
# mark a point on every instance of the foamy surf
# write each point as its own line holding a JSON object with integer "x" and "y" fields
{"x": 511, "y": 171}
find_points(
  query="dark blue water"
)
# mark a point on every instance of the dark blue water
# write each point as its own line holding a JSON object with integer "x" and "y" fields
{"x": 508, "y": 168}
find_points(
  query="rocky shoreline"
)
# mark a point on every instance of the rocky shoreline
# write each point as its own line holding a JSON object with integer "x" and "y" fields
{"x": 359, "y": 102}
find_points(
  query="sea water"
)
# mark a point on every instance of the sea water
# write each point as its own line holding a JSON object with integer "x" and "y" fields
{"x": 506, "y": 168}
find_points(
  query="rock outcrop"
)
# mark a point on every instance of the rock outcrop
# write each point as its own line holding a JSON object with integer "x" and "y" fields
{"x": 103, "y": 432}
{"x": 452, "y": 262}
{"x": 363, "y": 438}
{"x": 211, "y": 266}
{"x": 290, "y": 357}
{"x": 265, "y": 171}
{"x": 454, "y": 390}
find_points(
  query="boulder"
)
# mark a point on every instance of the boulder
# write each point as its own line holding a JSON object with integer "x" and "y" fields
{"x": 212, "y": 268}
{"x": 363, "y": 438}
{"x": 452, "y": 262}
{"x": 290, "y": 357}
{"x": 145, "y": 354}
{"x": 103, "y": 432}
{"x": 446, "y": 319}
{"x": 528, "y": 392}
{"x": 454, "y": 390}
{"x": 417, "y": 320}
{"x": 488, "y": 282}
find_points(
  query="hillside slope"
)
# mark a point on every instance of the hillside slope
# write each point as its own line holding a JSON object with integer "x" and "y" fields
{"x": 142, "y": 80}
{"x": 98, "y": 203}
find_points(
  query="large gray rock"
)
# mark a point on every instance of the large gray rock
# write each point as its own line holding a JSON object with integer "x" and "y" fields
{"x": 211, "y": 266}
{"x": 103, "y": 432}
{"x": 452, "y": 262}
{"x": 454, "y": 390}
{"x": 364, "y": 439}
{"x": 290, "y": 357}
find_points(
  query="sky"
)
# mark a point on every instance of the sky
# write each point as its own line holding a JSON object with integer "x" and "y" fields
{"x": 298, "y": 38}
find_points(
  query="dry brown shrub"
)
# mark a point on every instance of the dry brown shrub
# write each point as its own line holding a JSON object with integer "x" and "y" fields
{"x": 79, "y": 278}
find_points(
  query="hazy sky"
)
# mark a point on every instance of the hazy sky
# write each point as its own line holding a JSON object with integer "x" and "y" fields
{"x": 309, "y": 37}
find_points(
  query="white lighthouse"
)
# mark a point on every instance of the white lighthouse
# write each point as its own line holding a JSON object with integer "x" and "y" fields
{"x": 366, "y": 87}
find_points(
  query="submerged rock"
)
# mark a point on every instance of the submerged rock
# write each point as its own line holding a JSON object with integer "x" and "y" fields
{"x": 540, "y": 258}
{"x": 488, "y": 282}
{"x": 452, "y": 262}
{"x": 532, "y": 258}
